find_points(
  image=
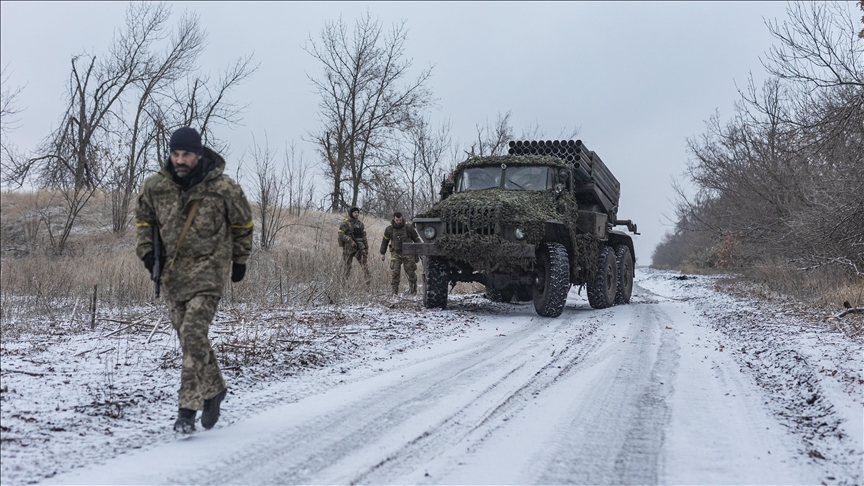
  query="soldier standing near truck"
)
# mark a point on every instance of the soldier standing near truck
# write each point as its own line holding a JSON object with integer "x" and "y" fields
{"x": 352, "y": 239}
{"x": 205, "y": 224}
{"x": 398, "y": 232}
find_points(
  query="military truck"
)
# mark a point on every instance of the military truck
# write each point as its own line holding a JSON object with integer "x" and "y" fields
{"x": 528, "y": 225}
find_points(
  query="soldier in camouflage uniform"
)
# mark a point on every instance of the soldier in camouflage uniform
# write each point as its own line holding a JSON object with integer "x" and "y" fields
{"x": 447, "y": 187}
{"x": 400, "y": 231}
{"x": 352, "y": 239}
{"x": 205, "y": 224}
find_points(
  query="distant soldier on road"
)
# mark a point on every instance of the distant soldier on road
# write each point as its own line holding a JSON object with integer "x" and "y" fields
{"x": 205, "y": 224}
{"x": 352, "y": 239}
{"x": 400, "y": 231}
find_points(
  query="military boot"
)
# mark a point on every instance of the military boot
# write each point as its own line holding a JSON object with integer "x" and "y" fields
{"x": 210, "y": 415}
{"x": 412, "y": 287}
{"x": 185, "y": 423}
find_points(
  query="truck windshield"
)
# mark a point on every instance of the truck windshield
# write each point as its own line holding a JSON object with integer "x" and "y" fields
{"x": 477, "y": 178}
{"x": 528, "y": 178}
{"x": 516, "y": 178}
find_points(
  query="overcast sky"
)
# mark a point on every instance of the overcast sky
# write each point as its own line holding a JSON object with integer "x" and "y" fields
{"x": 637, "y": 79}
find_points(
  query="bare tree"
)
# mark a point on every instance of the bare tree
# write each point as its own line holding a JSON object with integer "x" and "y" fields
{"x": 279, "y": 191}
{"x": 422, "y": 167}
{"x": 387, "y": 193}
{"x": 8, "y": 123}
{"x": 861, "y": 5}
{"x": 158, "y": 72}
{"x": 492, "y": 140}
{"x": 495, "y": 139}
{"x": 103, "y": 144}
{"x": 271, "y": 187}
{"x": 74, "y": 159}
{"x": 204, "y": 103}
{"x": 783, "y": 179}
{"x": 362, "y": 100}
{"x": 8, "y": 107}
{"x": 301, "y": 187}
{"x": 817, "y": 46}
{"x": 820, "y": 58}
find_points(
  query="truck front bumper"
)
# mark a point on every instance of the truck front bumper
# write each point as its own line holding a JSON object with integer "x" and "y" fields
{"x": 431, "y": 249}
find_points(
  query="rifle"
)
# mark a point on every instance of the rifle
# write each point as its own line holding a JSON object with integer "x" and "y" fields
{"x": 156, "y": 276}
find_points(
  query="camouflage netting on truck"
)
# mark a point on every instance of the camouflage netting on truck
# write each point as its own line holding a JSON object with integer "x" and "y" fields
{"x": 482, "y": 252}
{"x": 587, "y": 248}
{"x": 493, "y": 160}
{"x": 470, "y": 220}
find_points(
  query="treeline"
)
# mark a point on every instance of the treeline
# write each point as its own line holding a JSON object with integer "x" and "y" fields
{"x": 374, "y": 139}
{"x": 120, "y": 108}
{"x": 781, "y": 183}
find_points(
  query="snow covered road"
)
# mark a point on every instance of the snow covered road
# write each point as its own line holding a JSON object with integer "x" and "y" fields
{"x": 646, "y": 393}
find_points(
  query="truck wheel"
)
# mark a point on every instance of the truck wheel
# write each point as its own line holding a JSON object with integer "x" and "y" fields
{"x": 601, "y": 292}
{"x": 624, "y": 261}
{"x": 436, "y": 278}
{"x": 500, "y": 295}
{"x": 523, "y": 293}
{"x": 553, "y": 280}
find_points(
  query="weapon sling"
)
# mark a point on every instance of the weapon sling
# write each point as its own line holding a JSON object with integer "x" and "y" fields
{"x": 183, "y": 233}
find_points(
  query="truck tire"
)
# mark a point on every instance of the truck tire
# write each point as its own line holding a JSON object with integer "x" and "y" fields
{"x": 601, "y": 292}
{"x": 437, "y": 277}
{"x": 624, "y": 261}
{"x": 500, "y": 295}
{"x": 553, "y": 280}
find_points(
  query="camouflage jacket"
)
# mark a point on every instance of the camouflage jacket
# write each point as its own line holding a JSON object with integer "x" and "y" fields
{"x": 447, "y": 187}
{"x": 395, "y": 235}
{"x": 220, "y": 231}
{"x": 352, "y": 230}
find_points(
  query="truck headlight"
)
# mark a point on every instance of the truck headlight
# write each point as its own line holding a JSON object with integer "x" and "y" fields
{"x": 519, "y": 234}
{"x": 429, "y": 232}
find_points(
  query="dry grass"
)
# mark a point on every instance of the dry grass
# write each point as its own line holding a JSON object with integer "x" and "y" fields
{"x": 825, "y": 288}
{"x": 818, "y": 295}
{"x": 694, "y": 270}
{"x": 823, "y": 292}
{"x": 37, "y": 288}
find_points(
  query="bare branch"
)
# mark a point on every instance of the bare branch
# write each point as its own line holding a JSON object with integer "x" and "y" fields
{"x": 362, "y": 105}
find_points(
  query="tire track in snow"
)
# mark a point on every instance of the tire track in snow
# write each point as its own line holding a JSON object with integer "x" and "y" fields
{"x": 461, "y": 426}
{"x": 617, "y": 432}
{"x": 354, "y": 437}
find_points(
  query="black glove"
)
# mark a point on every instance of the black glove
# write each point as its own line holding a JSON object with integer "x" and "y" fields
{"x": 238, "y": 271}
{"x": 149, "y": 260}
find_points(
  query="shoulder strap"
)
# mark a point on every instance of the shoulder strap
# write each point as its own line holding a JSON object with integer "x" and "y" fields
{"x": 186, "y": 226}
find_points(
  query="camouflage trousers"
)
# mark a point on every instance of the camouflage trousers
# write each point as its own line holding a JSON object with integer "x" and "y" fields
{"x": 200, "y": 376}
{"x": 398, "y": 260}
{"x": 361, "y": 254}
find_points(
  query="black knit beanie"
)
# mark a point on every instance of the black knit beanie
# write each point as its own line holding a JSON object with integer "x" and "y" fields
{"x": 186, "y": 138}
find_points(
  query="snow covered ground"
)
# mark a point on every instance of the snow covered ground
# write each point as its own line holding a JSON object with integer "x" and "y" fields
{"x": 685, "y": 385}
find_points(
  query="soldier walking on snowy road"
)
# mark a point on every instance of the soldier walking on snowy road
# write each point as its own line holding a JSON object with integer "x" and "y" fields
{"x": 397, "y": 233}
{"x": 205, "y": 224}
{"x": 352, "y": 239}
